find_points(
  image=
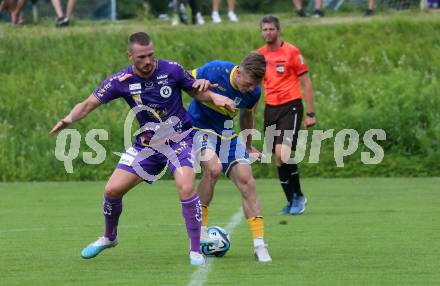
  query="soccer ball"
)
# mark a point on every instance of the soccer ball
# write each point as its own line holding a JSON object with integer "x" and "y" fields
{"x": 222, "y": 242}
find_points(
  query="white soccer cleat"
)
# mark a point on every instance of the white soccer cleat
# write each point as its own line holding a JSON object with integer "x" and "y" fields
{"x": 216, "y": 18}
{"x": 232, "y": 16}
{"x": 196, "y": 258}
{"x": 199, "y": 19}
{"x": 262, "y": 254}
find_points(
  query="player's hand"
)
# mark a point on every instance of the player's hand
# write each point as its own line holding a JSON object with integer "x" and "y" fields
{"x": 309, "y": 121}
{"x": 254, "y": 153}
{"x": 203, "y": 85}
{"x": 63, "y": 123}
{"x": 223, "y": 101}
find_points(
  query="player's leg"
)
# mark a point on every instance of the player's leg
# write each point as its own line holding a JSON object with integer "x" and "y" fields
{"x": 205, "y": 144}
{"x": 184, "y": 177}
{"x": 211, "y": 172}
{"x": 288, "y": 172}
{"x": 120, "y": 182}
{"x": 241, "y": 175}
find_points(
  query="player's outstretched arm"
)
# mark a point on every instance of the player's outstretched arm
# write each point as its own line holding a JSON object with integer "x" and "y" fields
{"x": 216, "y": 98}
{"x": 78, "y": 112}
{"x": 202, "y": 84}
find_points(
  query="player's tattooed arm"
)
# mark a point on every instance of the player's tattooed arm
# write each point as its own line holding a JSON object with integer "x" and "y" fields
{"x": 78, "y": 112}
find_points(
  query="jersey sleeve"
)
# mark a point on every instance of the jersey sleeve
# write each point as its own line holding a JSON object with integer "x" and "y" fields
{"x": 200, "y": 72}
{"x": 107, "y": 91}
{"x": 184, "y": 79}
{"x": 299, "y": 63}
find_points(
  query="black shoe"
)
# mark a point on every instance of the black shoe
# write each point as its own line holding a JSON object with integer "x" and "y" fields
{"x": 62, "y": 22}
{"x": 318, "y": 13}
{"x": 369, "y": 13}
{"x": 302, "y": 13}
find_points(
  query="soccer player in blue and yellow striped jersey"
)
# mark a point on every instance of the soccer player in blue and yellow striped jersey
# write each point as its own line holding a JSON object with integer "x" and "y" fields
{"x": 217, "y": 145}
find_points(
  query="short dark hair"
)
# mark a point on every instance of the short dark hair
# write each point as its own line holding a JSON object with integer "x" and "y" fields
{"x": 140, "y": 38}
{"x": 269, "y": 19}
{"x": 254, "y": 65}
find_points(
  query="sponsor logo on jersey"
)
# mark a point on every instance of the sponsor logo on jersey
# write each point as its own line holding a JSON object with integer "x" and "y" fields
{"x": 165, "y": 91}
{"x": 102, "y": 90}
{"x": 162, "y": 82}
{"x": 123, "y": 77}
{"x": 162, "y": 76}
{"x": 134, "y": 86}
{"x": 137, "y": 99}
{"x": 149, "y": 85}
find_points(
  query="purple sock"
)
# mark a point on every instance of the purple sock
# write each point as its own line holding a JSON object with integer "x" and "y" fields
{"x": 112, "y": 211}
{"x": 192, "y": 212}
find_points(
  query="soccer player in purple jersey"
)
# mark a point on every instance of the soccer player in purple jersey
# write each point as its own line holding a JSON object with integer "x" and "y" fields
{"x": 152, "y": 88}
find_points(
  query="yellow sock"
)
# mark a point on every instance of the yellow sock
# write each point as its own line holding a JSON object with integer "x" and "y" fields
{"x": 204, "y": 215}
{"x": 256, "y": 226}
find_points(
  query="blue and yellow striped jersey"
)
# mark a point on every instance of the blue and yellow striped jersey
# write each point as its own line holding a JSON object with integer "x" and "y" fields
{"x": 206, "y": 115}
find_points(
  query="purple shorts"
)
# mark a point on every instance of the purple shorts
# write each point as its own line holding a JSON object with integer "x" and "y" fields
{"x": 149, "y": 163}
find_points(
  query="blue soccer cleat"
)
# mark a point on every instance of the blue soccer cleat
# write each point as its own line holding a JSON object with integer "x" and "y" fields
{"x": 196, "y": 258}
{"x": 97, "y": 247}
{"x": 286, "y": 209}
{"x": 298, "y": 205}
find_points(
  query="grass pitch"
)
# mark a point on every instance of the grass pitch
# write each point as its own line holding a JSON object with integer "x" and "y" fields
{"x": 354, "y": 232}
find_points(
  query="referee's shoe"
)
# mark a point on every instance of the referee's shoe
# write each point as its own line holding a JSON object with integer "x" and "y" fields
{"x": 299, "y": 204}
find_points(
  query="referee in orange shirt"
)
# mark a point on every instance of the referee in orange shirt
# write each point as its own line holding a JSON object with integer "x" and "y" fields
{"x": 286, "y": 73}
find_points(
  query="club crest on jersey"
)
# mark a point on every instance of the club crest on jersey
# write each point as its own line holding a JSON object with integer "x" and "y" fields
{"x": 237, "y": 100}
{"x": 280, "y": 68}
{"x": 165, "y": 91}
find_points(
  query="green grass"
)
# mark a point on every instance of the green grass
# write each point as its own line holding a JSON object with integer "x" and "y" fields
{"x": 354, "y": 232}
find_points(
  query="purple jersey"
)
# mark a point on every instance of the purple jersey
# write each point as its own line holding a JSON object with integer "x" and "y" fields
{"x": 157, "y": 98}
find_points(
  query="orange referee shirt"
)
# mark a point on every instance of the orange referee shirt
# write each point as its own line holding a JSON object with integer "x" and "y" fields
{"x": 284, "y": 67}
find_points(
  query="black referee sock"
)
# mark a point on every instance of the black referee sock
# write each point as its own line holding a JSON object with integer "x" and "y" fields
{"x": 289, "y": 179}
{"x": 294, "y": 180}
{"x": 284, "y": 175}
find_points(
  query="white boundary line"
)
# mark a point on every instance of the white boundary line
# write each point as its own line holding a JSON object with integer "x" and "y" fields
{"x": 200, "y": 276}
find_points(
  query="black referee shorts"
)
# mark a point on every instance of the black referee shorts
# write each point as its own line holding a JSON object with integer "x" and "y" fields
{"x": 287, "y": 116}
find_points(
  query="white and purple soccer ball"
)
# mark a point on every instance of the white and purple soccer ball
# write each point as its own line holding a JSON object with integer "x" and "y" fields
{"x": 222, "y": 242}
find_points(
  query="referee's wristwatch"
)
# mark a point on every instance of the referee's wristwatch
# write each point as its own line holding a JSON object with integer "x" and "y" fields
{"x": 311, "y": 114}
